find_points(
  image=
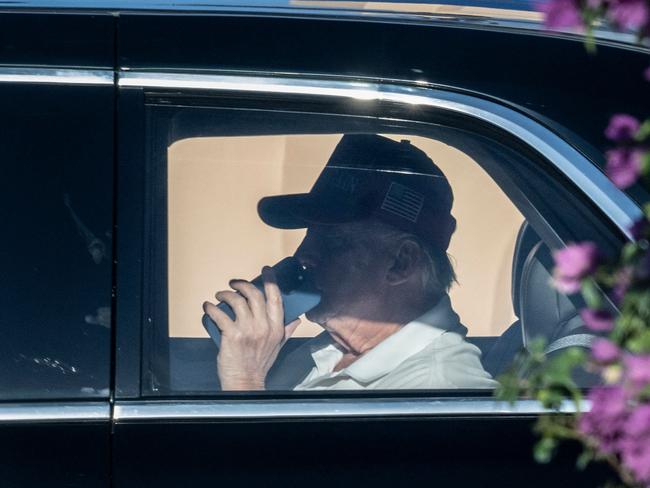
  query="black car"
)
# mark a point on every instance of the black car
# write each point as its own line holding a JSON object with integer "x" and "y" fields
{"x": 137, "y": 139}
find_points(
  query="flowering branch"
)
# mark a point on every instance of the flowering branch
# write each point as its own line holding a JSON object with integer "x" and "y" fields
{"x": 616, "y": 429}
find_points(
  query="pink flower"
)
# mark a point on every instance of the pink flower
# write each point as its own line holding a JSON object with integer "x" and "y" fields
{"x": 638, "y": 424}
{"x": 560, "y": 14}
{"x": 608, "y": 401}
{"x": 637, "y": 370}
{"x": 635, "y": 447}
{"x": 622, "y": 127}
{"x": 565, "y": 285}
{"x": 630, "y": 14}
{"x": 635, "y": 454}
{"x": 605, "y": 421}
{"x": 597, "y": 320}
{"x": 572, "y": 264}
{"x": 604, "y": 351}
{"x": 623, "y": 166}
{"x": 619, "y": 429}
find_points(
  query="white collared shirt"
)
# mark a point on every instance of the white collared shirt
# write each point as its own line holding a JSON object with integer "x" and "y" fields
{"x": 429, "y": 352}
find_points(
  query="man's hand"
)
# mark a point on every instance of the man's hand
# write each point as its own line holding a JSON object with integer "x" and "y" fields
{"x": 251, "y": 343}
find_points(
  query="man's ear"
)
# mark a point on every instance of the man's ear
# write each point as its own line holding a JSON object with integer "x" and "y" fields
{"x": 404, "y": 263}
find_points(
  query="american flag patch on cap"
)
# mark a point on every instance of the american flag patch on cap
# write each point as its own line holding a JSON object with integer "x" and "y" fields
{"x": 402, "y": 201}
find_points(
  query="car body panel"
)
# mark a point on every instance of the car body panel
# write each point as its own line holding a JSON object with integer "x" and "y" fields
{"x": 549, "y": 78}
{"x": 61, "y": 40}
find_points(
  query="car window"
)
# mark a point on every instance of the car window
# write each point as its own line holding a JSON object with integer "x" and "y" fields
{"x": 227, "y": 177}
{"x": 209, "y": 175}
{"x": 56, "y": 251}
{"x": 424, "y": 260}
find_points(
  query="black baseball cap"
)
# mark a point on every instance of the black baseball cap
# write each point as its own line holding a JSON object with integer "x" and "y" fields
{"x": 370, "y": 176}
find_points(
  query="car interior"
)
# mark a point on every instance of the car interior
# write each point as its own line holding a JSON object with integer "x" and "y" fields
{"x": 542, "y": 312}
{"x": 538, "y": 311}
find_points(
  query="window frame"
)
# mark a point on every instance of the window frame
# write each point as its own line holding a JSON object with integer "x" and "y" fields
{"x": 136, "y": 87}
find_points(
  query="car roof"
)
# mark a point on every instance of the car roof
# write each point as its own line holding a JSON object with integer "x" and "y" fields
{"x": 515, "y": 15}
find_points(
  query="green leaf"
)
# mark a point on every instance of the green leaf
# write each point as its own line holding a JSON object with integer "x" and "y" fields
{"x": 509, "y": 387}
{"x": 576, "y": 356}
{"x": 544, "y": 450}
{"x": 537, "y": 345}
{"x": 536, "y": 355}
{"x": 554, "y": 380}
{"x": 584, "y": 459}
{"x": 643, "y": 132}
{"x": 640, "y": 344}
{"x": 588, "y": 17}
{"x": 645, "y": 164}
{"x": 630, "y": 252}
{"x": 643, "y": 303}
{"x": 644, "y": 394}
{"x": 551, "y": 399}
{"x": 590, "y": 43}
{"x": 591, "y": 293}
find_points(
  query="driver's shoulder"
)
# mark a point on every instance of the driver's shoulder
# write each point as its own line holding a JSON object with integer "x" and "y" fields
{"x": 450, "y": 362}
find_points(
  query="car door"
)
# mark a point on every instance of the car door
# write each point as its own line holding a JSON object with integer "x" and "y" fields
{"x": 57, "y": 98}
{"x": 172, "y": 424}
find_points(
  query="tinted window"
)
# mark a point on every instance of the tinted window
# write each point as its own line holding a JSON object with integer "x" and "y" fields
{"x": 55, "y": 256}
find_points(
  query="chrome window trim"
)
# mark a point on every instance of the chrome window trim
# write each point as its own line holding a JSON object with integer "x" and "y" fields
{"x": 54, "y": 412}
{"x": 57, "y": 76}
{"x": 143, "y": 410}
{"x": 620, "y": 208}
{"x": 325, "y": 408}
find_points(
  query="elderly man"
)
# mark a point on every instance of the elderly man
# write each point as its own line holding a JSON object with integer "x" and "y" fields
{"x": 378, "y": 227}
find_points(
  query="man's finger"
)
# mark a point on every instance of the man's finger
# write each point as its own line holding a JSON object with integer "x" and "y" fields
{"x": 237, "y": 302}
{"x": 253, "y": 295}
{"x": 274, "y": 308}
{"x": 218, "y": 316}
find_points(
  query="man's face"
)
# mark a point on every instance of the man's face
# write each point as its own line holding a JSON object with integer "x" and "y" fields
{"x": 349, "y": 271}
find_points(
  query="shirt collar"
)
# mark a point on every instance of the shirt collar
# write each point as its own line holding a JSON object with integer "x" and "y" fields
{"x": 388, "y": 354}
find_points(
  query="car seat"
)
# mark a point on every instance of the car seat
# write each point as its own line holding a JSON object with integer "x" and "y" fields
{"x": 541, "y": 310}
